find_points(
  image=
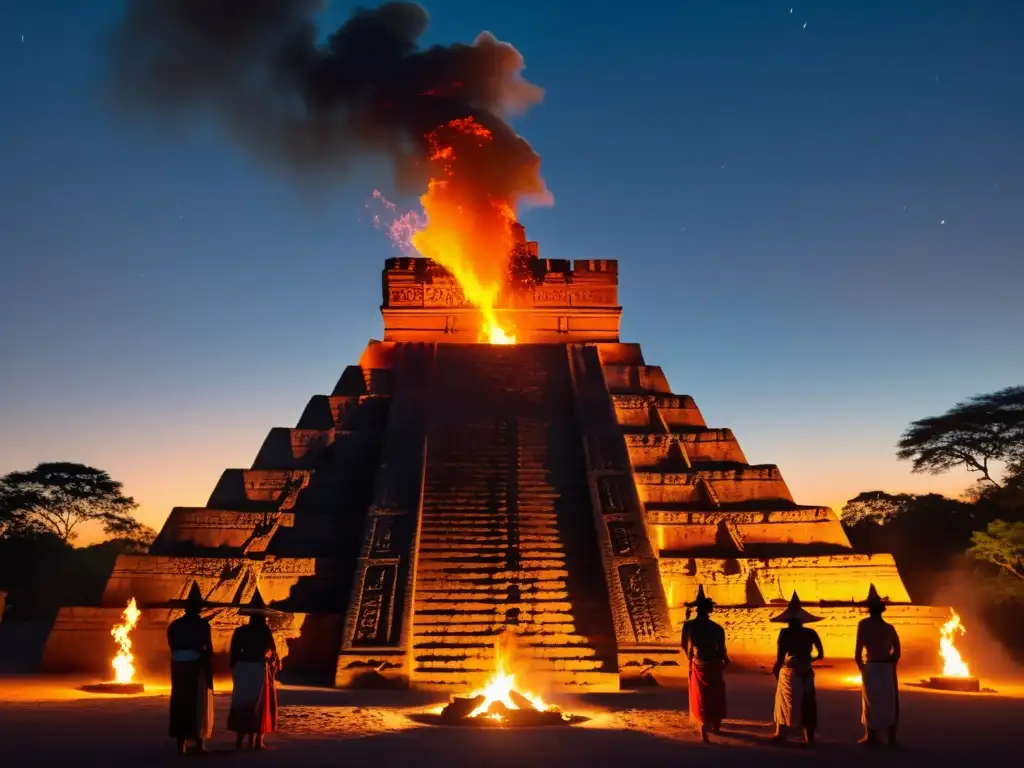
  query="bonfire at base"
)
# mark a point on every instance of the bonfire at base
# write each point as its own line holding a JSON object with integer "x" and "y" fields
{"x": 956, "y": 676}
{"x": 499, "y": 703}
{"x": 123, "y": 662}
{"x": 952, "y": 663}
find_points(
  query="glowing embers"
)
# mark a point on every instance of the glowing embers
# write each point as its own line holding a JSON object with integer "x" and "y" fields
{"x": 956, "y": 676}
{"x": 499, "y": 704}
{"x": 123, "y": 662}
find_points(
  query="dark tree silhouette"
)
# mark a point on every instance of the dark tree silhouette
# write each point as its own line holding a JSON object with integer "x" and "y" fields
{"x": 875, "y": 507}
{"x": 57, "y": 497}
{"x": 974, "y": 434}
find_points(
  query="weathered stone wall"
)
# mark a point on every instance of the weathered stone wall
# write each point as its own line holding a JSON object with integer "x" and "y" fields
{"x": 745, "y": 581}
{"x": 802, "y": 527}
{"x": 751, "y": 637}
{"x": 80, "y": 641}
{"x": 206, "y": 528}
{"x": 153, "y": 579}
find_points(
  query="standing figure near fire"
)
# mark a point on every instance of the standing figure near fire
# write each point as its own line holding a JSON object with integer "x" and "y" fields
{"x": 796, "y": 704}
{"x": 254, "y": 663}
{"x": 191, "y": 645}
{"x": 877, "y": 654}
{"x": 704, "y": 645}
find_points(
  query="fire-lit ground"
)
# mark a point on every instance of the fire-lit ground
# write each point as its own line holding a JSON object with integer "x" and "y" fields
{"x": 46, "y": 721}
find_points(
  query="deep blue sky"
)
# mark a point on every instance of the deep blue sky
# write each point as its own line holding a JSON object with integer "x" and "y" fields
{"x": 820, "y": 232}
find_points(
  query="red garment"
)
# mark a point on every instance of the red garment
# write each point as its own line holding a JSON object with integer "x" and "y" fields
{"x": 707, "y": 693}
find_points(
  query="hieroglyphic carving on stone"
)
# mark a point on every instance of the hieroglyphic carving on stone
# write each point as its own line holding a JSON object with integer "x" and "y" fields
{"x": 621, "y": 537}
{"x": 602, "y": 449}
{"x": 409, "y": 295}
{"x": 563, "y": 297}
{"x": 383, "y": 537}
{"x": 613, "y": 495}
{"x": 443, "y": 296}
{"x": 638, "y": 602}
{"x": 373, "y": 623}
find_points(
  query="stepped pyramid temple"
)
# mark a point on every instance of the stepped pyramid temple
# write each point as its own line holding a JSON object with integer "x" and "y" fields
{"x": 448, "y": 492}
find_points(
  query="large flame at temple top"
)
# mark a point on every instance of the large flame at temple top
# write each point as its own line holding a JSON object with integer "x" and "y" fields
{"x": 465, "y": 229}
{"x": 315, "y": 104}
{"x": 124, "y": 662}
{"x": 953, "y": 664}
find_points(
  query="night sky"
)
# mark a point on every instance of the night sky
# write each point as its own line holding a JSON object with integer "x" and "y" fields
{"x": 818, "y": 212}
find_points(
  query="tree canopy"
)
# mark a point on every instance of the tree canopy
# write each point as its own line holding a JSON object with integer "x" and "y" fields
{"x": 975, "y": 434}
{"x": 56, "y": 498}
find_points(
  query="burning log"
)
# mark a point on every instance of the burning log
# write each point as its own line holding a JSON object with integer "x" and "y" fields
{"x": 500, "y": 704}
{"x": 522, "y": 703}
{"x": 459, "y": 708}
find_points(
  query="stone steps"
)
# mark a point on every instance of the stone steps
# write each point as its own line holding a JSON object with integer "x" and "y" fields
{"x": 493, "y": 556}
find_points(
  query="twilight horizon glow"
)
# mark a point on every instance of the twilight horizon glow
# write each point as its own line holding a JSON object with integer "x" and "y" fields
{"x": 817, "y": 228}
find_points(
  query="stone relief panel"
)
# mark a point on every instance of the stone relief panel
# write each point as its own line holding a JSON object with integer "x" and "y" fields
{"x": 443, "y": 296}
{"x": 407, "y": 296}
{"x": 613, "y": 494}
{"x": 622, "y": 538}
{"x": 640, "y": 602}
{"x": 376, "y": 602}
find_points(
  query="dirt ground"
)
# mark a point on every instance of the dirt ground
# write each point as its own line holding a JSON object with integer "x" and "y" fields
{"x": 48, "y": 722}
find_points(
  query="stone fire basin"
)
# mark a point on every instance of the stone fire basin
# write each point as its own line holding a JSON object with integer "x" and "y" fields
{"x": 960, "y": 684}
{"x": 124, "y": 689}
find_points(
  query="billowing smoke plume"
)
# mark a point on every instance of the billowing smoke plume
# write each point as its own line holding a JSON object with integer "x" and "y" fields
{"x": 257, "y": 67}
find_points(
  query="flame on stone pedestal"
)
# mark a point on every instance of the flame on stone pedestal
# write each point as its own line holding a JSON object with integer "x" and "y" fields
{"x": 124, "y": 662}
{"x": 499, "y": 689}
{"x": 953, "y": 664}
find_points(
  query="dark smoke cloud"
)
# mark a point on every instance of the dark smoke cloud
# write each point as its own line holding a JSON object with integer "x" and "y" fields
{"x": 256, "y": 66}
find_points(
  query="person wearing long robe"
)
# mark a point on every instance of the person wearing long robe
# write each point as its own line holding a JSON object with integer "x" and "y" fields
{"x": 254, "y": 665}
{"x": 796, "y": 704}
{"x": 877, "y": 654}
{"x": 191, "y": 645}
{"x": 703, "y": 642}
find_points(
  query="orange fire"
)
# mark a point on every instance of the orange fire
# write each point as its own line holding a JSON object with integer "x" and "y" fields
{"x": 499, "y": 689}
{"x": 953, "y": 664}
{"x": 470, "y": 237}
{"x": 124, "y": 662}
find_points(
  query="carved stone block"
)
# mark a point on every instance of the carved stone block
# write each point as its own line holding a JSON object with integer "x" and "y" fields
{"x": 376, "y": 603}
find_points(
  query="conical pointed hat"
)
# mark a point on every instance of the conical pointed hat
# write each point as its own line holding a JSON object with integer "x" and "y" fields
{"x": 795, "y": 612}
{"x": 702, "y": 600}
{"x": 195, "y": 596}
{"x": 874, "y": 601}
{"x": 257, "y": 606}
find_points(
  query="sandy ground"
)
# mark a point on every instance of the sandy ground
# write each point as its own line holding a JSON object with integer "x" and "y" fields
{"x": 47, "y": 721}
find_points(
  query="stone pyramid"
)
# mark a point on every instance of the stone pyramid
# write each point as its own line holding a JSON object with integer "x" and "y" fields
{"x": 449, "y": 493}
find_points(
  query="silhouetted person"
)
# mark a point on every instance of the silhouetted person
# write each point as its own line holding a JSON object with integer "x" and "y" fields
{"x": 191, "y": 674}
{"x": 877, "y": 654}
{"x": 704, "y": 645}
{"x": 254, "y": 662}
{"x": 796, "y": 704}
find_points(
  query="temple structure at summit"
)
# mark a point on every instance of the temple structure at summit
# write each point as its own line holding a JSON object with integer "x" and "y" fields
{"x": 447, "y": 492}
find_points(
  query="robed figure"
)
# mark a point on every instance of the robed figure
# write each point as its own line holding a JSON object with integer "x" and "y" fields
{"x": 254, "y": 665}
{"x": 704, "y": 645}
{"x": 877, "y": 654}
{"x": 191, "y": 648}
{"x": 796, "y": 704}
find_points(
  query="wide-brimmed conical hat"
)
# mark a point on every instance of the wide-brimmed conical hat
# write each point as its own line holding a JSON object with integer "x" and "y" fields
{"x": 194, "y": 599}
{"x": 701, "y": 601}
{"x": 257, "y": 606}
{"x": 795, "y": 612}
{"x": 874, "y": 601}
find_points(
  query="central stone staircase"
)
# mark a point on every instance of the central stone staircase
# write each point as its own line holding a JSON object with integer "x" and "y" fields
{"x": 507, "y": 543}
